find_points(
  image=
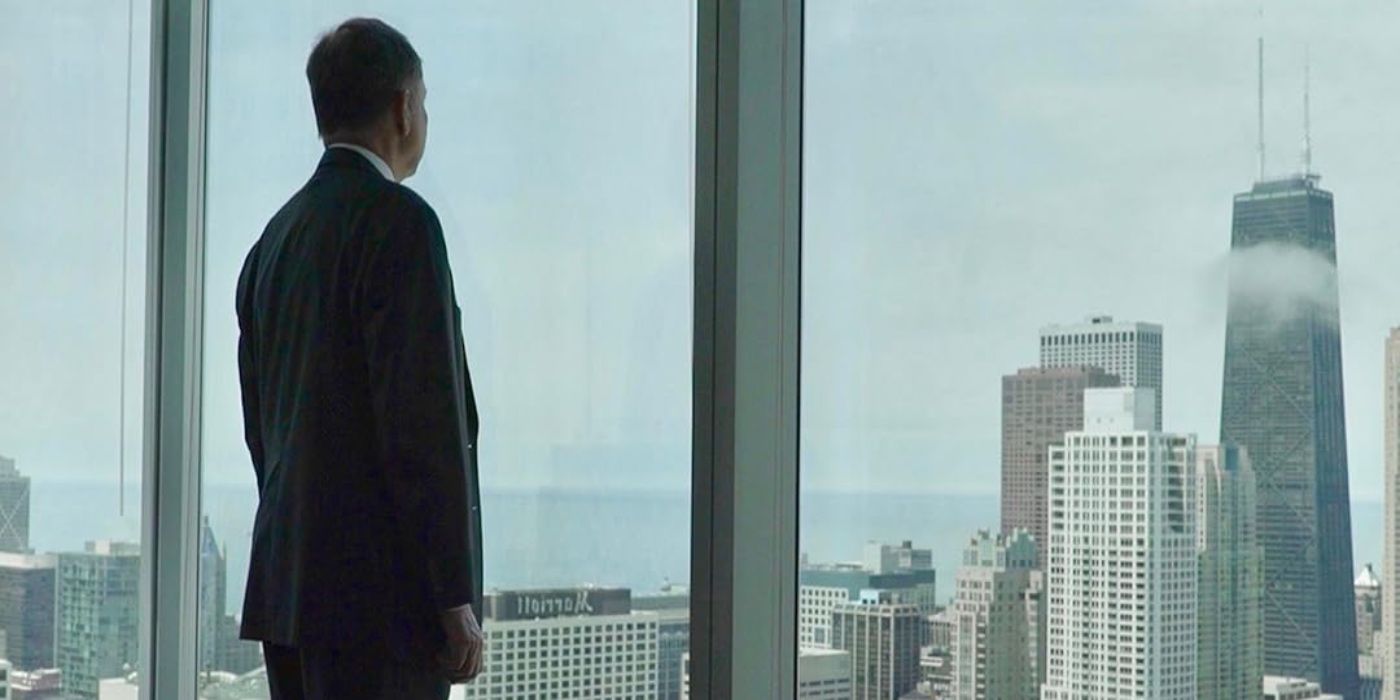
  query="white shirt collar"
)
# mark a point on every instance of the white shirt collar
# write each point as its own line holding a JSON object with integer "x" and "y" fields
{"x": 370, "y": 156}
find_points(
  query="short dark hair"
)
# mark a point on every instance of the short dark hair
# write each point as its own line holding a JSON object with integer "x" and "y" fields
{"x": 355, "y": 71}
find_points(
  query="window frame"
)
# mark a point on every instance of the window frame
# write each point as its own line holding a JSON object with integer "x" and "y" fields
{"x": 169, "y": 589}
{"x": 747, "y": 180}
{"x": 743, "y": 639}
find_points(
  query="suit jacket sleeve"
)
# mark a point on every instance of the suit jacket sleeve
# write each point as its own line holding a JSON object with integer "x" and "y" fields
{"x": 247, "y": 367}
{"x": 418, "y": 389}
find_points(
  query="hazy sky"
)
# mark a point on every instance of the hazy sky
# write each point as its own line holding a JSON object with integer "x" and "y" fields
{"x": 973, "y": 170}
{"x": 558, "y": 159}
{"x": 63, "y": 73}
{"x": 976, "y": 170}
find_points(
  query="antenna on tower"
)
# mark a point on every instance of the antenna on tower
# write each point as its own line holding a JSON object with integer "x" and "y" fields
{"x": 1261, "y": 91}
{"x": 1307, "y": 111}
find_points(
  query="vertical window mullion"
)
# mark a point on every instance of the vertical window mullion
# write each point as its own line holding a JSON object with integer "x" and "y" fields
{"x": 744, "y": 592}
{"x": 170, "y": 533}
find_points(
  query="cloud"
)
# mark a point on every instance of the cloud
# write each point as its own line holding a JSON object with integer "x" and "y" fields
{"x": 1284, "y": 281}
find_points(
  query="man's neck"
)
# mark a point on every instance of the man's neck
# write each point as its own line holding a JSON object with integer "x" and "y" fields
{"x": 373, "y": 155}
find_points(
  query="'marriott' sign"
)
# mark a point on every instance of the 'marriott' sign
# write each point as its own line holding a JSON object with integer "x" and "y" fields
{"x": 562, "y": 602}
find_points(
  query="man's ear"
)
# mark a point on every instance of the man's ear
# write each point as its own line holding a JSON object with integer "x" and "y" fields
{"x": 403, "y": 112}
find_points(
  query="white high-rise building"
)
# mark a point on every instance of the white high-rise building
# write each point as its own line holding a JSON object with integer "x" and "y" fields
{"x": 1130, "y": 350}
{"x": 814, "y": 606}
{"x": 1122, "y": 557}
{"x": 997, "y": 633}
{"x": 97, "y": 611}
{"x": 1229, "y": 647}
{"x": 1389, "y": 647}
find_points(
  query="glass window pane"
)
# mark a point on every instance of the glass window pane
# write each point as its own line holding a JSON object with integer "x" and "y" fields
{"x": 559, "y": 164}
{"x": 1016, "y": 215}
{"x": 72, "y": 309}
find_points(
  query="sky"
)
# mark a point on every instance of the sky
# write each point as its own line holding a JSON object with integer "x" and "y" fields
{"x": 972, "y": 171}
{"x": 67, "y": 183}
{"x": 561, "y": 173}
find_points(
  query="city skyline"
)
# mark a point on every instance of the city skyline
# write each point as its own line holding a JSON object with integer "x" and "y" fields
{"x": 1081, "y": 166}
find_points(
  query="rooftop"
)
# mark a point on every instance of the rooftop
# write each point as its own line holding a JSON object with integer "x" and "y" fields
{"x": 1100, "y": 323}
{"x": 11, "y": 560}
{"x": 1285, "y": 186}
{"x": 813, "y": 652}
{"x": 1367, "y": 578}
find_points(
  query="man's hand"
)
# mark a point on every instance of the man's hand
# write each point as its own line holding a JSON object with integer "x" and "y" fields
{"x": 461, "y": 658}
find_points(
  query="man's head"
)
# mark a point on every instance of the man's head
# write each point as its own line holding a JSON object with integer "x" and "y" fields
{"x": 367, "y": 89}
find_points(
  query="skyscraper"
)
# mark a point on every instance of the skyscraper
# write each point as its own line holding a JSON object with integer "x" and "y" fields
{"x": 1282, "y": 402}
{"x": 1038, "y": 406}
{"x": 882, "y": 636}
{"x": 27, "y": 608}
{"x": 1229, "y": 645}
{"x": 1128, "y": 350}
{"x": 997, "y": 635}
{"x": 1122, "y": 556}
{"x": 14, "y": 508}
{"x": 1390, "y": 571}
{"x": 98, "y": 612}
{"x": 213, "y": 576}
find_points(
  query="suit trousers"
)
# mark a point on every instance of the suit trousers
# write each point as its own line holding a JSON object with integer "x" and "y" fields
{"x": 313, "y": 673}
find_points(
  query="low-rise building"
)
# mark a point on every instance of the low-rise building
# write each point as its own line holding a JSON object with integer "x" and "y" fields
{"x": 1286, "y": 688}
{"x": 567, "y": 642}
{"x": 823, "y": 674}
{"x": 42, "y": 684}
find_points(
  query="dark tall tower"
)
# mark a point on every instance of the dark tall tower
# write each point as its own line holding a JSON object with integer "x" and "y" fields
{"x": 14, "y": 508}
{"x": 1282, "y": 401}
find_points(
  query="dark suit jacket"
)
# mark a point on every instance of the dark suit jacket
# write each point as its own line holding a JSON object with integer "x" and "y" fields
{"x": 359, "y": 414}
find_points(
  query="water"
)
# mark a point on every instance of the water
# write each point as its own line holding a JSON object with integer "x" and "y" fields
{"x": 564, "y": 538}
{"x": 532, "y": 539}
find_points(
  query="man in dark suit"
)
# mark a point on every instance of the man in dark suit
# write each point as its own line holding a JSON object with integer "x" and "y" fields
{"x": 365, "y": 578}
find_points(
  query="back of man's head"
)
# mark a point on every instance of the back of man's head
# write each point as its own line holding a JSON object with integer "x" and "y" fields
{"x": 355, "y": 71}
